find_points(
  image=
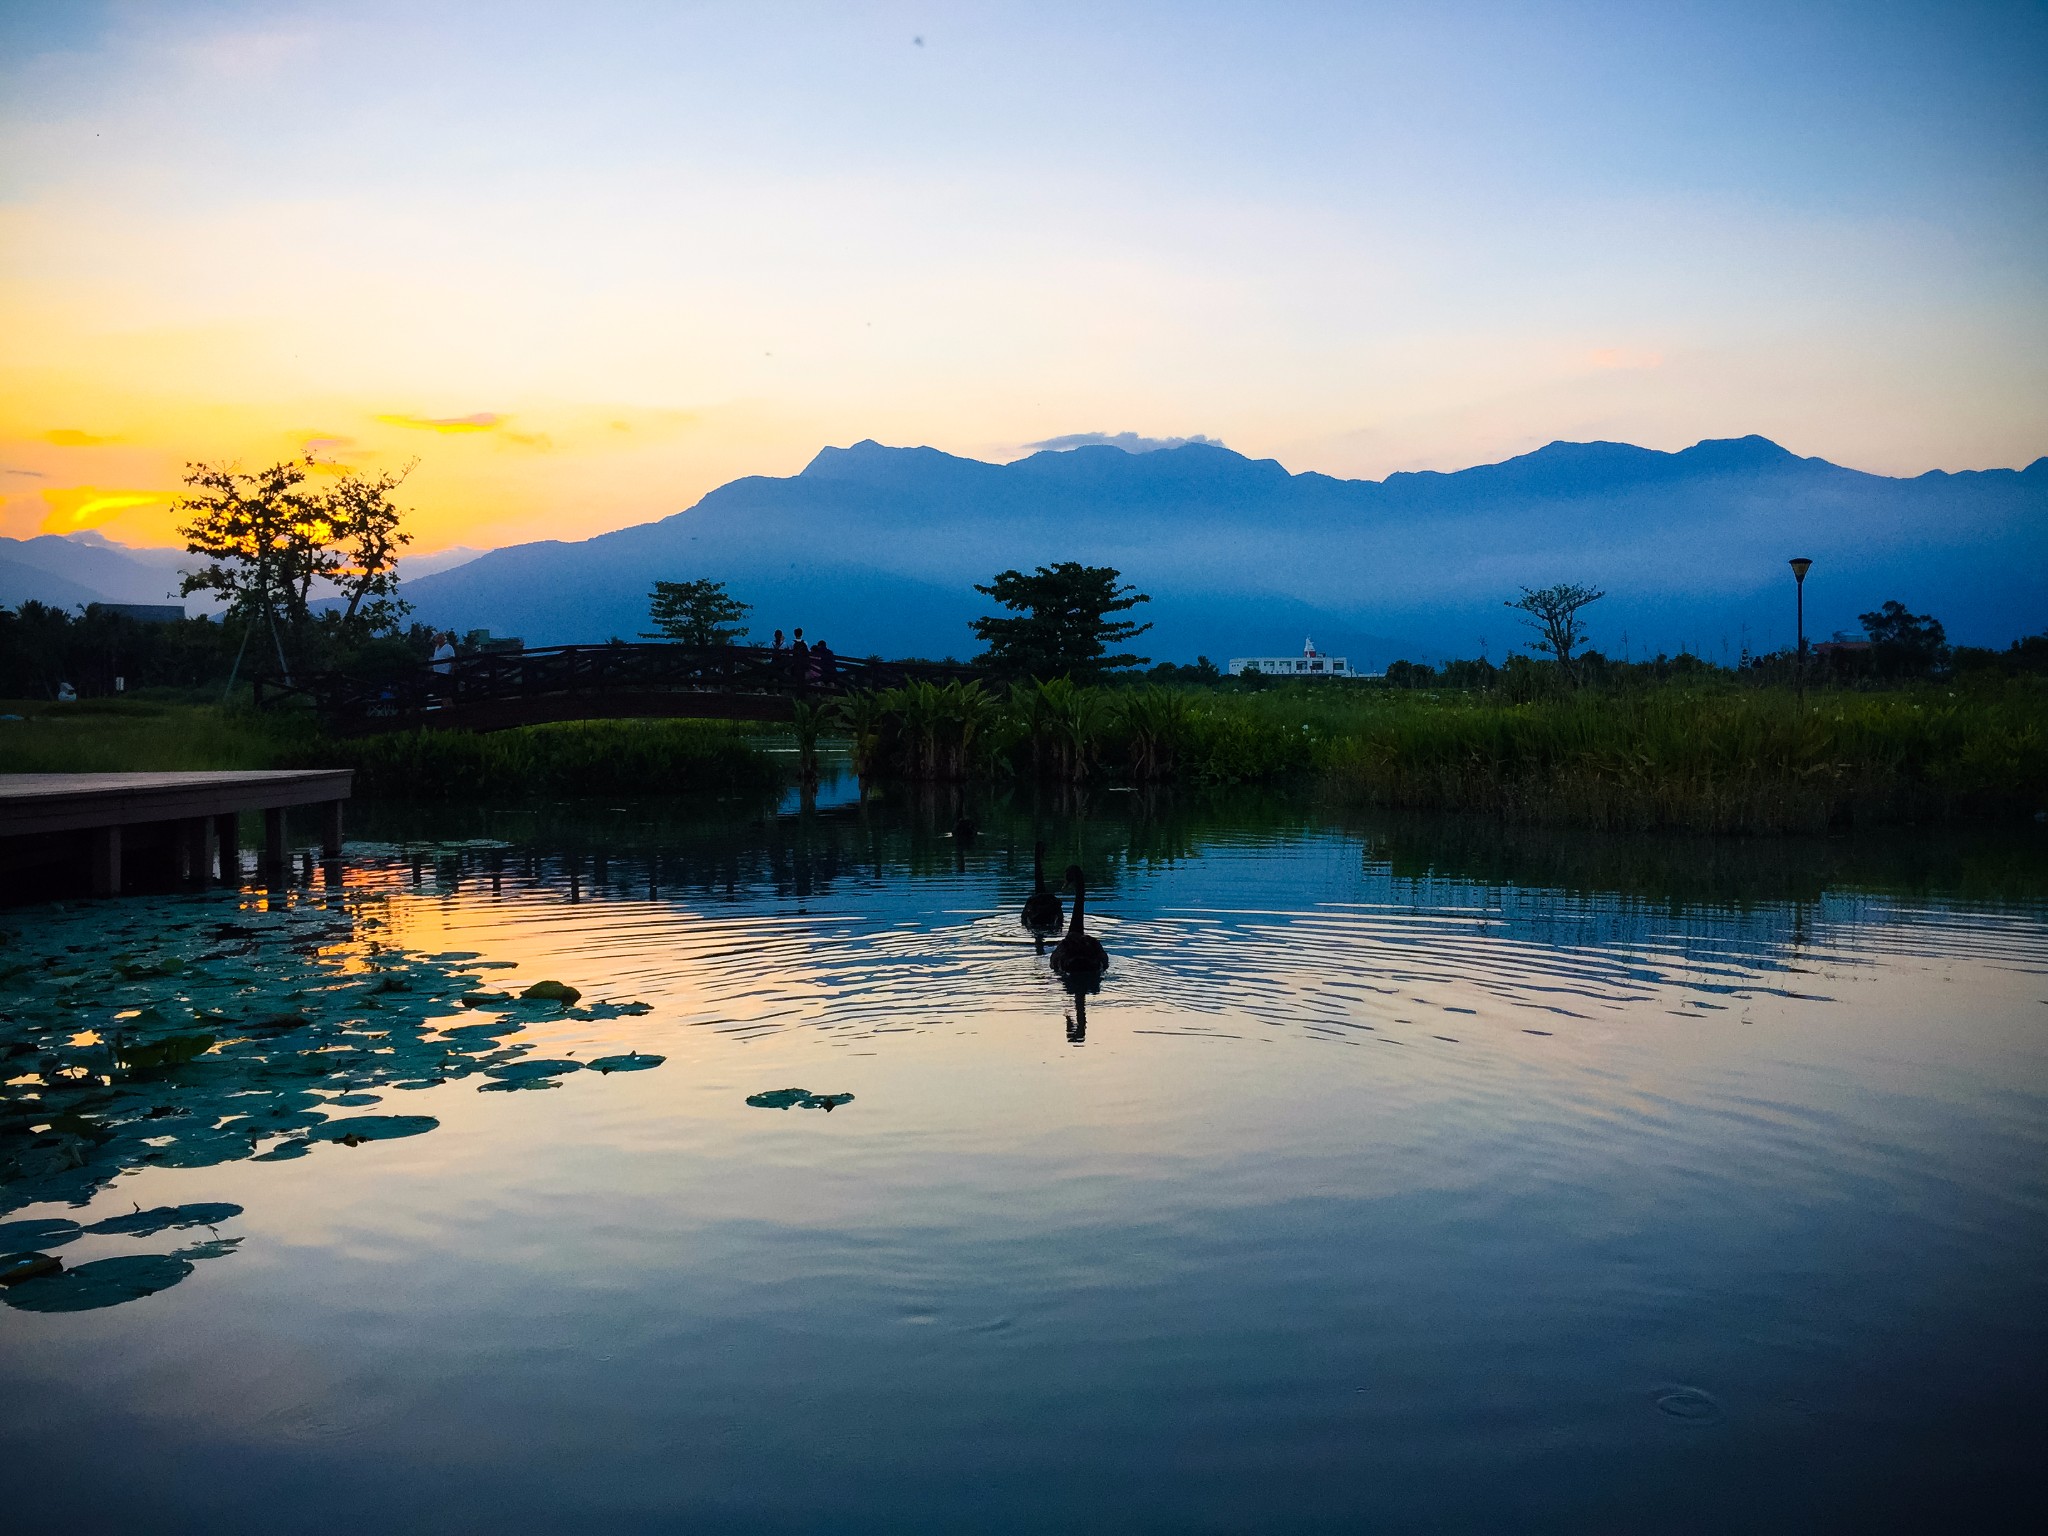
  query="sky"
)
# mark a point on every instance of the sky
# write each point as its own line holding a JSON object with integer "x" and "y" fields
{"x": 584, "y": 263}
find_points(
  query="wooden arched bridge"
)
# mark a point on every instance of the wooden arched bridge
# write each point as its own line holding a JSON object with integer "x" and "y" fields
{"x": 495, "y": 690}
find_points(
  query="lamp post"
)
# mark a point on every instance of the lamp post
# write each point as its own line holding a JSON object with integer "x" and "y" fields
{"x": 1800, "y": 565}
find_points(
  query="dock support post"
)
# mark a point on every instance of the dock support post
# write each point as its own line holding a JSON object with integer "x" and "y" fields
{"x": 104, "y": 845}
{"x": 197, "y": 854}
{"x": 330, "y": 830}
{"x": 274, "y": 851}
{"x": 227, "y": 835}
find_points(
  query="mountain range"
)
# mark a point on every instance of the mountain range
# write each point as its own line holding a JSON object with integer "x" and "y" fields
{"x": 876, "y": 549}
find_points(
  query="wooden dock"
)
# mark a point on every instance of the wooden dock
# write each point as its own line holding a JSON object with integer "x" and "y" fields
{"x": 90, "y": 830}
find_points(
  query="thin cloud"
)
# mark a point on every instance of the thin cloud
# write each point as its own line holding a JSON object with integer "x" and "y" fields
{"x": 33, "y": 474}
{"x": 71, "y": 437}
{"x": 478, "y": 421}
{"x": 81, "y": 506}
{"x": 1130, "y": 442}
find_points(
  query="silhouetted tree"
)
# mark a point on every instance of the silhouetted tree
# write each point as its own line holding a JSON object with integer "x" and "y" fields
{"x": 365, "y": 539}
{"x": 1553, "y": 612}
{"x": 1062, "y": 625}
{"x": 695, "y": 612}
{"x": 1904, "y": 643}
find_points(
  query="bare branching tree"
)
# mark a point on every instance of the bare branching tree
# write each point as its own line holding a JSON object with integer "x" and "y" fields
{"x": 1553, "y": 612}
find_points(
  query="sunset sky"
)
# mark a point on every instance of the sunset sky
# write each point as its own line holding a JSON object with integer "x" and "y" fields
{"x": 586, "y": 262}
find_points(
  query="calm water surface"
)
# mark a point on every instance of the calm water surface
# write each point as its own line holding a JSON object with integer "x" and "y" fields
{"x": 1401, "y": 1175}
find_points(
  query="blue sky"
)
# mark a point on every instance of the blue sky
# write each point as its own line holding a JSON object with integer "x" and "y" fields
{"x": 587, "y": 262}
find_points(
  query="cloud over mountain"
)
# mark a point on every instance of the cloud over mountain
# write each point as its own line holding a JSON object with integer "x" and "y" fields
{"x": 1130, "y": 442}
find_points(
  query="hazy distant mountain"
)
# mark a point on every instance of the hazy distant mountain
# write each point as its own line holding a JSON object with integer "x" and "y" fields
{"x": 877, "y": 549}
{"x": 70, "y": 570}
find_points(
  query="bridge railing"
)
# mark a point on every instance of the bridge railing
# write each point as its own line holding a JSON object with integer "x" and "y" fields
{"x": 555, "y": 670}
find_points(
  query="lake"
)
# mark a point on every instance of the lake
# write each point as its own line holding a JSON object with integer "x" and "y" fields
{"x": 1403, "y": 1173}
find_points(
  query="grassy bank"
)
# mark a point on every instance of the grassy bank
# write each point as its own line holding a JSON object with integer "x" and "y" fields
{"x": 117, "y": 736}
{"x": 594, "y": 757}
{"x": 1723, "y": 761}
{"x": 1706, "y": 759}
{"x": 586, "y": 757}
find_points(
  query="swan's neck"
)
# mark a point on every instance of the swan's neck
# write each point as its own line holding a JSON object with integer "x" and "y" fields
{"x": 1080, "y": 905}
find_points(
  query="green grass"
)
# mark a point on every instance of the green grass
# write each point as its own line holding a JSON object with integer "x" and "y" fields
{"x": 586, "y": 757}
{"x": 1699, "y": 759}
{"x": 592, "y": 757}
{"x": 116, "y": 736}
{"x": 1722, "y": 760}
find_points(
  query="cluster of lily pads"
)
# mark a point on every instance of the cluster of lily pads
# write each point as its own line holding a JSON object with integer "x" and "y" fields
{"x": 798, "y": 1098}
{"x": 202, "y": 1030}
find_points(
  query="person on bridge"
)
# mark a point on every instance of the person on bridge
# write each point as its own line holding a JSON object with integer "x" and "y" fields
{"x": 799, "y": 658}
{"x": 444, "y": 661}
{"x": 775, "y": 647}
{"x": 821, "y": 663}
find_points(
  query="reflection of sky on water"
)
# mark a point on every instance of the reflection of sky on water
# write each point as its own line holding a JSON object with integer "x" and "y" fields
{"x": 1372, "y": 1187}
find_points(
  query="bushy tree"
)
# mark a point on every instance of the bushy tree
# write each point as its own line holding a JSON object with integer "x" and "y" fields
{"x": 1553, "y": 612}
{"x": 695, "y": 612}
{"x": 1904, "y": 643}
{"x": 270, "y": 539}
{"x": 1059, "y": 623}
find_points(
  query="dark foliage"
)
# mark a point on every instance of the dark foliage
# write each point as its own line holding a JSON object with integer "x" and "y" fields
{"x": 1061, "y": 625}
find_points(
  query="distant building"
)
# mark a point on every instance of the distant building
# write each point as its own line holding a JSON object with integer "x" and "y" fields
{"x": 1310, "y": 663}
{"x": 484, "y": 640}
{"x": 142, "y": 613}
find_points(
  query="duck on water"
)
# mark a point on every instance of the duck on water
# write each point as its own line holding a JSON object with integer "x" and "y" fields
{"x": 1042, "y": 910}
{"x": 1079, "y": 954}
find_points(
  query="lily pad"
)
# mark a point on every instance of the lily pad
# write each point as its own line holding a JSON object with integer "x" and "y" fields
{"x": 175, "y": 1051}
{"x": 357, "y": 1128}
{"x": 284, "y": 1151}
{"x": 632, "y": 1061}
{"x": 550, "y": 992}
{"x": 825, "y": 1101}
{"x": 521, "y": 1071}
{"x": 483, "y": 1031}
{"x": 102, "y": 1283}
{"x": 166, "y": 1218}
{"x": 779, "y": 1098}
{"x": 52, "y": 1232}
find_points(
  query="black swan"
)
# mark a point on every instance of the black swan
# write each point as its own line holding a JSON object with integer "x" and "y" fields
{"x": 1078, "y": 954}
{"x": 1042, "y": 910}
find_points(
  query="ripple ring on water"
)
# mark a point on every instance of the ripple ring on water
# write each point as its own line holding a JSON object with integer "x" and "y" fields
{"x": 1688, "y": 1403}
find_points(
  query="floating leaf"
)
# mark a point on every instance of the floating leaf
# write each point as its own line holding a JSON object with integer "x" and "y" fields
{"x": 359, "y": 1128}
{"x": 519, "y": 1071}
{"x": 483, "y": 1031}
{"x": 102, "y": 1283}
{"x": 519, "y": 1085}
{"x": 632, "y": 1061}
{"x": 550, "y": 992}
{"x": 285, "y": 1151}
{"x": 779, "y": 1098}
{"x": 825, "y": 1101}
{"x": 212, "y": 1248}
{"x": 52, "y": 1232}
{"x": 166, "y": 1218}
{"x": 484, "y": 999}
{"x": 175, "y": 1051}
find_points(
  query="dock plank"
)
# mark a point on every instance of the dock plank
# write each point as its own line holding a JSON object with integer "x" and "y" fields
{"x": 33, "y": 803}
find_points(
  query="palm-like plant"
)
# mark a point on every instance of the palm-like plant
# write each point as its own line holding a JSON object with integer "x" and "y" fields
{"x": 862, "y": 716}
{"x": 1157, "y": 722}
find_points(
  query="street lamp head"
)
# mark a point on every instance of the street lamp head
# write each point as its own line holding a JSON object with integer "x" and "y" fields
{"x": 1799, "y": 568}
